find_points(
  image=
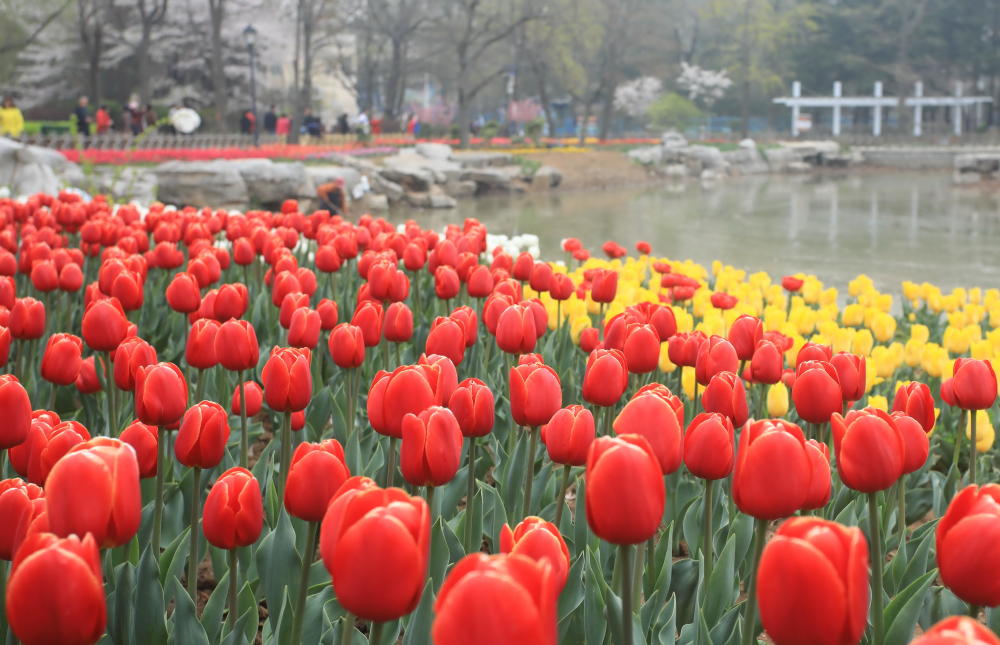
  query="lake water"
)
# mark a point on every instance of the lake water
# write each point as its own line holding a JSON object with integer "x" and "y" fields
{"x": 892, "y": 226}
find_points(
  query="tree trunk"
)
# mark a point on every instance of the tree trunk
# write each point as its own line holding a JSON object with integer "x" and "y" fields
{"x": 607, "y": 111}
{"x": 217, "y": 10}
{"x": 586, "y": 121}
{"x": 297, "y": 108}
{"x": 745, "y": 81}
{"x": 394, "y": 86}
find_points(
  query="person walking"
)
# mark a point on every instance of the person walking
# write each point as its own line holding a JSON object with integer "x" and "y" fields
{"x": 247, "y": 122}
{"x": 11, "y": 119}
{"x": 102, "y": 120}
{"x": 283, "y": 126}
{"x": 270, "y": 120}
{"x": 81, "y": 115}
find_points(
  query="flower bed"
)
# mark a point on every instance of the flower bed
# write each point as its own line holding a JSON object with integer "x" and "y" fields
{"x": 299, "y": 428}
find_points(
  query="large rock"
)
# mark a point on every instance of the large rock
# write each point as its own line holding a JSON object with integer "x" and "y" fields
{"x": 546, "y": 177}
{"x": 270, "y": 183}
{"x": 129, "y": 184}
{"x": 393, "y": 191}
{"x": 27, "y": 170}
{"x": 673, "y": 139}
{"x": 373, "y": 202}
{"x": 324, "y": 174}
{"x": 363, "y": 166}
{"x": 481, "y": 159}
{"x": 440, "y": 151}
{"x": 435, "y": 197}
{"x": 460, "y": 188}
{"x": 488, "y": 179}
{"x": 647, "y": 155}
{"x": 709, "y": 156}
{"x": 201, "y": 183}
{"x": 415, "y": 172}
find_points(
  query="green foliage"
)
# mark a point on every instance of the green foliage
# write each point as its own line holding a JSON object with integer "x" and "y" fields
{"x": 674, "y": 111}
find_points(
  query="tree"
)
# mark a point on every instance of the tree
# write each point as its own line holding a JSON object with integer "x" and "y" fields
{"x": 673, "y": 111}
{"x": 217, "y": 15}
{"x": 397, "y": 22}
{"x": 635, "y": 97}
{"x": 473, "y": 30}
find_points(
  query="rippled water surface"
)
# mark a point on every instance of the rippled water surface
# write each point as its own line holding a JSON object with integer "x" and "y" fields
{"x": 892, "y": 226}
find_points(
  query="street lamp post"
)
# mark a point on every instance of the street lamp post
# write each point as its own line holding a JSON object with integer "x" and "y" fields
{"x": 250, "y": 36}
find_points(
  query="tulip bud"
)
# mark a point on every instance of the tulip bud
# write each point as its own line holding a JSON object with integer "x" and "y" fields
{"x": 161, "y": 394}
{"x": 605, "y": 378}
{"x": 766, "y": 364}
{"x": 870, "y": 451}
{"x": 44, "y": 446}
{"x": 368, "y": 316}
{"x": 16, "y": 407}
{"x": 725, "y": 394}
{"x": 568, "y": 435}
{"x": 27, "y": 319}
{"x": 816, "y": 391}
{"x": 236, "y": 347}
{"x": 316, "y": 473}
{"x": 773, "y": 469}
{"x": 398, "y": 324}
{"x": 974, "y": 384}
{"x": 234, "y": 510}
{"x": 541, "y": 541}
{"x": 204, "y": 431}
{"x": 287, "y": 379}
{"x": 655, "y": 414}
{"x": 62, "y": 358}
{"x": 625, "y": 492}
{"x": 131, "y": 354}
{"x": 104, "y": 325}
{"x": 641, "y": 346}
{"x": 708, "y": 446}
{"x": 393, "y": 395}
{"x": 144, "y": 439}
{"x": 472, "y": 404}
{"x": 535, "y": 393}
{"x": 447, "y": 338}
{"x": 16, "y": 511}
{"x": 431, "y": 450}
{"x": 744, "y": 334}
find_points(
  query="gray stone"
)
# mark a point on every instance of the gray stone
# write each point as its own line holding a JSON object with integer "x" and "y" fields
{"x": 27, "y": 170}
{"x": 647, "y": 155}
{"x": 477, "y": 159}
{"x": 417, "y": 173}
{"x": 393, "y": 191}
{"x": 324, "y": 174}
{"x": 201, "y": 183}
{"x": 130, "y": 184}
{"x": 799, "y": 166}
{"x": 374, "y": 202}
{"x": 433, "y": 198}
{"x": 495, "y": 178}
{"x": 271, "y": 183}
{"x": 546, "y": 177}
{"x": 709, "y": 156}
{"x": 360, "y": 164}
{"x": 675, "y": 170}
{"x": 673, "y": 139}
{"x": 441, "y": 151}
{"x": 460, "y": 188}
{"x": 748, "y": 144}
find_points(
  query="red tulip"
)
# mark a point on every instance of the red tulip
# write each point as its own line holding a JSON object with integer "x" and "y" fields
{"x": 714, "y": 356}
{"x": 974, "y": 384}
{"x": 767, "y": 363}
{"x": 183, "y": 293}
{"x": 368, "y": 316}
{"x": 131, "y": 354}
{"x": 87, "y": 381}
{"x": 773, "y": 469}
{"x": 966, "y": 537}
{"x": 70, "y": 277}
{"x": 605, "y": 286}
{"x": 304, "y": 328}
{"x": 744, "y": 334}
{"x": 446, "y": 282}
{"x": 432, "y": 447}
{"x": 466, "y": 317}
{"x": 398, "y": 324}
{"x": 16, "y": 406}
{"x": 851, "y": 374}
{"x": 201, "y": 440}
{"x": 127, "y": 287}
{"x": 55, "y": 593}
{"x": 62, "y": 358}
{"x": 641, "y": 347}
{"x": 161, "y": 394}
{"x": 957, "y": 630}
{"x": 289, "y": 304}
{"x": 915, "y": 442}
{"x": 812, "y": 583}
{"x": 287, "y": 379}
{"x": 27, "y": 319}
{"x": 473, "y": 406}
{"x": 376, "y": 544}
{"x": 870, "y": 450}
{"x": 440, "y": 372}
{"x": 347, "y": 346}
{"x": 447, "y": 338}
{"x": 541, "y": 541}
{"x": 535, "y": 393}
{"x": 820, "y": 485}
{"x": 236, "y": 347}
{"x": 515, "y": 329}
{"x": 234, "y": 510}
{"x": 813, "y": 352}
{"x": 4, "y": 345}
{"x": 655, "y": 414}
{"x": 328, "y": 314}
{"x": 540, "y": 277}
{"x": 589, "y": 340}
{"x": 479, "y": 282}
{"x": 497, "y": 599}
{"x": 625, "y": 493}
{"x": 231, "y": 301}
{"x": 317, "y": 471}
{"x": 723, "y": 301}
{"x": 683, "y": 348}
{"x": 393, "y": 395}
{"x": 725, "y": 394}
{"x": 605, "y": 378}
{"x": 816, "y": 391}
{"x": 568, "y": 435}
{"x": 708, "y": 446}
{"x": 44, "y": 446}
{"x": 792, "y": 283}
{"x": 255, "y": 399}
{"x": 44, "y": 276}
{"x": 144, "y": 439}
{"x": 915, "y": 400}
{"x": 8, "y": 291}
{"x": 94, "y": 489}
{"x": 16, "y": 510}
{"x": 104, "y": 325}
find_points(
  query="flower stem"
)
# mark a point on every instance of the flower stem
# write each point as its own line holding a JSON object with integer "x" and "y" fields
{"x": 876, "y": 551}
{"x": 286, "y": 454}
{"x": 195, "y": 513}
{"x": 750, "y": 615}
{"x": 972, "y": 449}
{"x": 234, "y": 565}
{"x": 347, "y": 635}
{"x": 300, "y": 599}
{"x": 375, "y": 633}
{"x": 706, "y": 534}
{"x": 625, "y": 553}
{"x": 161, "y": 467}
{"x": 470, "y": 547}
{"x": 529, "y": 472}
{"x": 390, "y": 471}
{"x": 244, "y": 432}
{"x": 561, "y": 502}
{"x": 901, "y": 490}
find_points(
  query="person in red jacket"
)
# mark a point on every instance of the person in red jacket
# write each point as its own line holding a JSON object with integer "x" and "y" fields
{"x": 102, "y": 120}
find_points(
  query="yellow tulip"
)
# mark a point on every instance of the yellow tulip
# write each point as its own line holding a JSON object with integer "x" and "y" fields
{"x": 955, "y": 340}
{"x": 878, "y": 402}
{"x": 913, "y": 352}
{"x": 665, "y": 363}
{"x": 688, "y": 382}
{"x": 577, "y": 325}
{"x": 984, "y": 431}
{"x": 920, "y": 333}
{"x": 777, "y": 400}
{"x": 883, "y": 326}
{"x": 853, "y": 315}
{"x": 862, "y": 342}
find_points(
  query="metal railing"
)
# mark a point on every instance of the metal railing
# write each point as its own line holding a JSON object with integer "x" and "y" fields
{"x": 123, "y": 141}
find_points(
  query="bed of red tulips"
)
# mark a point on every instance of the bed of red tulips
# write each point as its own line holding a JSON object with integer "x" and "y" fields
{"x": 293, "y": 428}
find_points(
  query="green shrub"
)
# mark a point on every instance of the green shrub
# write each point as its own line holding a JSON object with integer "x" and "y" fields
{"x": 673, "y": 111}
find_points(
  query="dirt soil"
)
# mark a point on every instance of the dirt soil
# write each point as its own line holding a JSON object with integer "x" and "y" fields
{"x": 593, "y": 168}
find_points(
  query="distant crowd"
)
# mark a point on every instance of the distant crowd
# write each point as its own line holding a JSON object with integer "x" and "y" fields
{"x": 136, "y": 119}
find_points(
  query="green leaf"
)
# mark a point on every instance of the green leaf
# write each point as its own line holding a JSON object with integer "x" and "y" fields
{"x": 667, "y": 621}
{"x": 149, "y": 626}
{"x": 418, "y": 627}
{"x": 900, "y": 616}
{"x": 211, "y": 615}
{"x": 120, "y": 628}
{"x": 174, "y": 557}
{"x": 278, "y": 562}
{"x": 315, "y": 621}
{"x": 573, "y": 593}
{"x": 721, "y": 590}
{"x": 187, "y": 629}
{"x": 440, "y": 553}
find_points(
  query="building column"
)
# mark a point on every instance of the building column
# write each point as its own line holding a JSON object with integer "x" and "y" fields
{"x": 796, "y": 93}
{"x": 956, "y": 111}
{"x": 877, "y": 112}
{"x": 918, "y": 109}
{"x": 837, "y": 92}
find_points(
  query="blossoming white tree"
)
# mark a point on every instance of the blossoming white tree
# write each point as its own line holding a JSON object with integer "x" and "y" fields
{"x": 702, "y": 84}
{"x": 635, "y": 97}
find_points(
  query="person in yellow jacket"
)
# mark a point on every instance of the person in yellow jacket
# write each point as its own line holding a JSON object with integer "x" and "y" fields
{"x": 11, "y": 119}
